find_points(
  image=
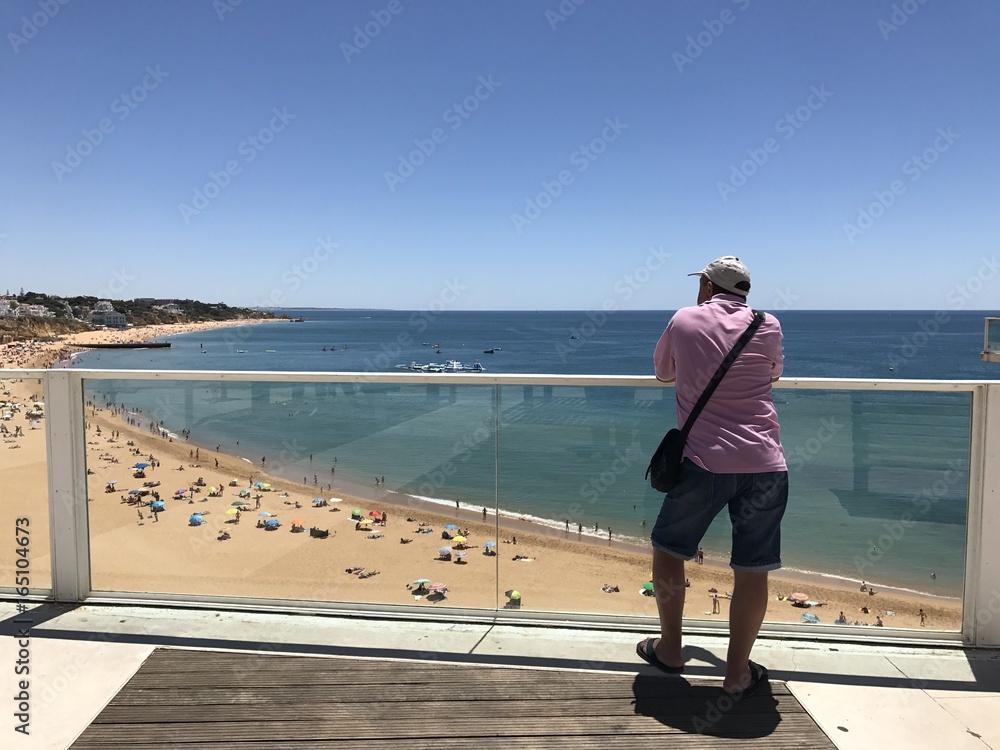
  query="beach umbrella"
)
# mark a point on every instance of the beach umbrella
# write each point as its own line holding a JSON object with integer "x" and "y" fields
{"x": 298, "y": 522}
{"x": 238, "y": 503}
{"x": 335, "y": 500}
{"x": 490, "y": 544}
{"x": 112, "y": 481}
{"x": 375, "y": 513}
{"x": 810, "y": 617}
{"x": 512, "y": 594}
{"x": 444, "y": 551}
{"x": 195, "y": 519}
{"x": 244, "y": 493}
{"x": 258, "y": 484}
{"x": 140, "y": 466}
{"x": 264, "y": 514}
{"x": 421, "y": 581}
{"x": 317, "y": 499}
{"x": 365, "y": 522}
{"x": 458, "y": 539}
{"x": 135, "y": 492}
{"x": 461, "y": 554}
{"x": 450, "y": 526}
{"x": 357, "y": 512}
{"x": 799, "y": 597}
{"x": 232, "y": 511}
{"x": 271, "y": 522}
{"x": 159, "y": 504}
{"x": 182, "y": 490}
{"x": 647, "y": 586}
{"x": 213, "y": 489}
{"x": 264, "y": 485}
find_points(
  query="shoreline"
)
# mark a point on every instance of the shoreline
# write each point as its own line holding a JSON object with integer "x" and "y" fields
{"x": 62, "y": 350}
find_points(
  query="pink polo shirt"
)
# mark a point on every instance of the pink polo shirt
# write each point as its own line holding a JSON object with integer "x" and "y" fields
{"x": 737, "y": 431}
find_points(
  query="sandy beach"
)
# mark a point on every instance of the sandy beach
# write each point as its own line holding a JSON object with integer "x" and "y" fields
{"x": 134, "y": 549}
{"x": 45, "y": 354}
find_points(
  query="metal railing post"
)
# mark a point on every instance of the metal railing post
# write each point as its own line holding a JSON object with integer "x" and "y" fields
{"x": 67, "y": 473}
{"x": 982, "y": 598}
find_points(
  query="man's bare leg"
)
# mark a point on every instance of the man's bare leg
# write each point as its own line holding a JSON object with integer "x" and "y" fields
{"x": 668, "y": 582}
{"x": 746, "y": 613}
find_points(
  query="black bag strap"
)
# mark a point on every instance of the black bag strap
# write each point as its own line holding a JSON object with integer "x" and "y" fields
{"x": 758, "y": 318}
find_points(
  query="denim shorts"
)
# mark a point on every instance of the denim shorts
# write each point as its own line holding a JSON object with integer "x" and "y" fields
{"x": 756, "y": 504}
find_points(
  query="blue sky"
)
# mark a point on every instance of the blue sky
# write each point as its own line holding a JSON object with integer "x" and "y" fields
{"x": 501, "y": 155}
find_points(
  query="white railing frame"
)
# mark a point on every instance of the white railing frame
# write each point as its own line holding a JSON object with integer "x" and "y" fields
{"x": 70, "y": 553}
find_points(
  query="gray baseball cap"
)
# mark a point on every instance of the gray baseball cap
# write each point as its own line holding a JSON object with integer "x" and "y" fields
{"x": 728, "y": 274}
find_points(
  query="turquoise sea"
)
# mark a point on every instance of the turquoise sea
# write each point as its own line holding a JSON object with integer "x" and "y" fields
{"x": 879, "y": 480}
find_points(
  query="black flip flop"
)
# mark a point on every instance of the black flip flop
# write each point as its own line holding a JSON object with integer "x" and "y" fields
{"x": 758, "y": 678}
{"x": 647, "y": 653}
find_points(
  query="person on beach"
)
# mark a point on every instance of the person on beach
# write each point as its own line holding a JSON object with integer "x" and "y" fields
{"x": 733, "y": 457}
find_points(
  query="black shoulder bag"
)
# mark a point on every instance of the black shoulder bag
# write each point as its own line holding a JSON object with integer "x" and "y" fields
{"x": 666, "y": 462}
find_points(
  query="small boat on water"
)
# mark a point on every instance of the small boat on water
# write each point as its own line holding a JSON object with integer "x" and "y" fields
{"x": 492, "y": 349}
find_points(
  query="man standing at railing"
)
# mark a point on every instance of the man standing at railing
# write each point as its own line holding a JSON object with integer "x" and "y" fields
{"x": 732, "y": 457}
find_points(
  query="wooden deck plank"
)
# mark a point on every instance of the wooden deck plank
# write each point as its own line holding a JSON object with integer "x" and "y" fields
{"x": 677, "y": 742}
{"x": 157, "y": 712}
{"x": 216, "y": 700}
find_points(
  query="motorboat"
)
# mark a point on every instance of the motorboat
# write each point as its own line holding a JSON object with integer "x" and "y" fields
{"x": 453, "y": 365}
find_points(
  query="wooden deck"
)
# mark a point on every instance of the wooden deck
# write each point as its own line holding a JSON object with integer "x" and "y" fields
{"x": 216, "y": 700}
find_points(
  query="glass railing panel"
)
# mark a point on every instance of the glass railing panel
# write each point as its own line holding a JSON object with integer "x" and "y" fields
{"x": 878, "y": 493}
{"x": 308, "y": 455}
{"x": 25, "y": 562}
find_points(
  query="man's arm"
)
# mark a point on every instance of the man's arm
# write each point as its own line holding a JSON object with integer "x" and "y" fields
{"x": 663, "y": 358}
